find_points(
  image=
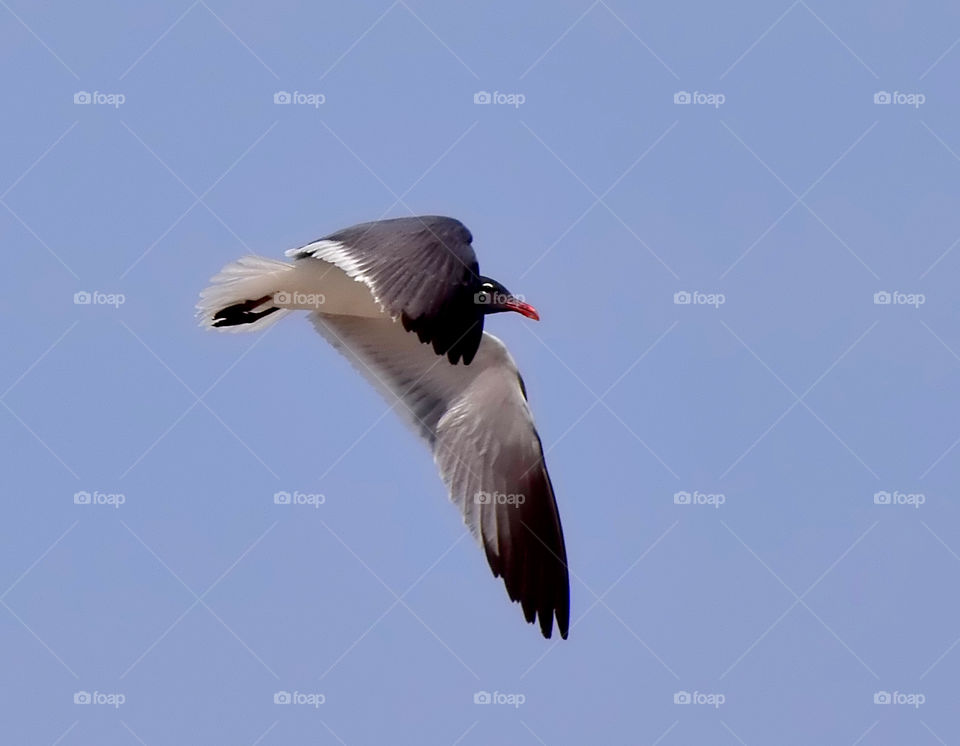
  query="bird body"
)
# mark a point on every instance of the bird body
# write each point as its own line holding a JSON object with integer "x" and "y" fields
{"x": 404, "y": 302}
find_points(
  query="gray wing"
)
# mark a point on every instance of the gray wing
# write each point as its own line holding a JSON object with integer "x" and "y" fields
{"x": 421, "y": 270}
{"x": 487, "y": 450}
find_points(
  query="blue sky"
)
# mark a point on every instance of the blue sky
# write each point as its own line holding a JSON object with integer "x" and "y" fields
{"x": 757, "y": 487}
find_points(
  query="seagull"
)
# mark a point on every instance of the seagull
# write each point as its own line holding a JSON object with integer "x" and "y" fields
{"x": 404, "y": 301}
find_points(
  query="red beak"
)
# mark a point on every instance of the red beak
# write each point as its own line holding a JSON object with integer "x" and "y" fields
{"x": 512, "y": 304}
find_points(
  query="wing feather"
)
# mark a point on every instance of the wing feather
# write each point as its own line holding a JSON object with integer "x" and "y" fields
{"x": 486, "y": 447}
{"x": 422, "y": 270}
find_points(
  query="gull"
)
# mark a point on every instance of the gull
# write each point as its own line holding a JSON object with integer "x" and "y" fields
{"x": 404, "y": 301}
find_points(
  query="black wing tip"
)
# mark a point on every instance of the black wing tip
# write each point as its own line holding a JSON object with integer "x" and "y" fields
{"x": 546, "y": 625}
{"x": 536, "y": 609}
{"x": 541, "y": 608}
{"x": 541, "y": 585}
{"x": 545, "y": 617}
{"x": 560, "y": 610}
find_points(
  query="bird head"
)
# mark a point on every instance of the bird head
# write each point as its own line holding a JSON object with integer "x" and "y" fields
{"x": 492, "y": 297}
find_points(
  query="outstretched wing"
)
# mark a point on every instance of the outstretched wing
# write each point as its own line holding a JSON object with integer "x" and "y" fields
{"x": 421, "y": 270}
{"x": 485, "y": 445}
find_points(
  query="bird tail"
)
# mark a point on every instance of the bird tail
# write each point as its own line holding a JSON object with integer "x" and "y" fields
{"x": 246, "y": 295}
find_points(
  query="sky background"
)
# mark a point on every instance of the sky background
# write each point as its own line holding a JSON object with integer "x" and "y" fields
{"x": 793, "y": 197}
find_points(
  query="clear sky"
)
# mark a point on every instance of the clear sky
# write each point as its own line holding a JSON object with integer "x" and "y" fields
{"x": 780, "y": 163}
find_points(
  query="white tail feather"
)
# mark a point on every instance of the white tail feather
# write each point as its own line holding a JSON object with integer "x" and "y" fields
{"x": 247, "y": 279}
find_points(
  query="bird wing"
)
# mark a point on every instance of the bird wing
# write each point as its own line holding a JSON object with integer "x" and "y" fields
{"x": 421, "y": 270}
{"x": 486, "y": 448}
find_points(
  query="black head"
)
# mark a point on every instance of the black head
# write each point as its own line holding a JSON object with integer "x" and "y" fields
{"x": 492, "y": 297}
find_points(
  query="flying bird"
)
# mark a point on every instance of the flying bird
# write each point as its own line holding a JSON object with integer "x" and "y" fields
{"x": 404, "y": 301}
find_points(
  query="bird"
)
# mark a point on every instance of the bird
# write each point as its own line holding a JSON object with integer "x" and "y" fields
{"x": 404, "y": 301}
